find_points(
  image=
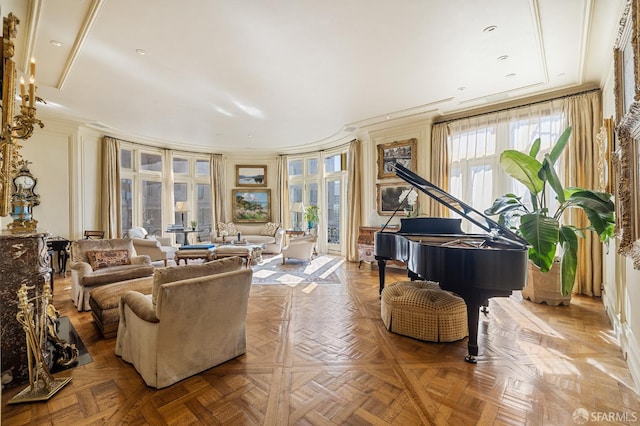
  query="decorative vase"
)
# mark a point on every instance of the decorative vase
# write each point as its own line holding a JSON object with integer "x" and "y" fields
{"x": 544, "y": 287}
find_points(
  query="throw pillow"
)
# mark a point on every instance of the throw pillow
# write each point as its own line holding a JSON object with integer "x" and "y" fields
{"x": 270, "y": 228}
{"x": 184, "y": 272}
{"x": 229, "y": 228}
{"x": 105, "y": 258}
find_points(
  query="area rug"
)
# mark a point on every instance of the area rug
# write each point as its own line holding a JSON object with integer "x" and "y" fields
{"x": 321, "y": 270}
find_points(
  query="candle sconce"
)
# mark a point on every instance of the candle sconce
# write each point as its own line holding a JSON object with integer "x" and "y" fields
{"x": 19, "y": 126}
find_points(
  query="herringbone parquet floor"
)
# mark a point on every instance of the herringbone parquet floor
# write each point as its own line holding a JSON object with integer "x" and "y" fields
{"x": 322, "y": 356}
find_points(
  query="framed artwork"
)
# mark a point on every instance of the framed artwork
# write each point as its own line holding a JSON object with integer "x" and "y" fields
{"x": 627, "y": 142}
{"x": 388, "y": 198}
{"x": 403, "y": 152}
{"x": 251, "y": 175}
{"x": 251, "y": 205}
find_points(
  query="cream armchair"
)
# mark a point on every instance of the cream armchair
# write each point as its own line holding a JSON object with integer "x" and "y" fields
{"x": 299, "y": 248}
{"x": 195, "y": 319}
{"x": 157, "y": 248}
{"x": 99, "y": 262}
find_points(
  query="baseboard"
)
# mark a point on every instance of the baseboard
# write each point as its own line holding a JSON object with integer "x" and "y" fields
{"x": 624, "y": 335}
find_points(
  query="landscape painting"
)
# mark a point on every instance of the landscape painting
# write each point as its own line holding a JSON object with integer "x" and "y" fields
{"x": 251, "y": 175}
{"x": 251, "y": 205}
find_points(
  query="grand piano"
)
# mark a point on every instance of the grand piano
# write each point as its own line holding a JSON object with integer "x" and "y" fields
{"x": 476, "y": 267}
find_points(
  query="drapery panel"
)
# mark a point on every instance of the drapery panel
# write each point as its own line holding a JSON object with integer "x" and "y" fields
{"x": 439, "y": 167}
{"x": 111, "y": 219}
{"x": 219, "y": 189}
{"x": 283, "y": 192}
{"x": 354, "y": 197}
{"x": 584, "y": 115}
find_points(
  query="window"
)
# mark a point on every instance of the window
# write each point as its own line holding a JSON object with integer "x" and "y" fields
{"x": 475, "y": 147}
{"x": 144, "y": 198}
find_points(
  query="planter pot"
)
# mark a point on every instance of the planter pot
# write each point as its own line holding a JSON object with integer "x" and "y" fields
{"x": 544, "y": 287}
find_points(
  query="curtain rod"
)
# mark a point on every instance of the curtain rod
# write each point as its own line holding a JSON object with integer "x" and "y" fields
{"x": 518, "y": 106}
{"x": 319, "y": 150}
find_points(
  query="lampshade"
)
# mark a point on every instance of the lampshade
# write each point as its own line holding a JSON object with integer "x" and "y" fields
{"x": 182, "y": 206}
{"x": 297, "y": 207}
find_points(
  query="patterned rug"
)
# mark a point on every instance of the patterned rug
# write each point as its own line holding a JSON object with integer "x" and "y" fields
{"x": 321, "y": 270}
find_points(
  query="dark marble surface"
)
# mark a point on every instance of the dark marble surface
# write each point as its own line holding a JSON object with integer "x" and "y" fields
{"x": 24, "y": 259}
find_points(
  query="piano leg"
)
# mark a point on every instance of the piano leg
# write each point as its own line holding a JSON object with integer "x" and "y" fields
{"x": 473, "y": 316}
{"x": 382, "y": 264}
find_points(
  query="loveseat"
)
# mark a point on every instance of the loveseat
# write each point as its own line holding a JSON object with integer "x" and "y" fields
{"x": 194, "y": 319}
{"x": 99, "y": 262}
{"x": 270, "y": 234}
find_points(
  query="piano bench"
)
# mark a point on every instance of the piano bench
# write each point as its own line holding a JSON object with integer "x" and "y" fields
{"x": 420, "y": 309}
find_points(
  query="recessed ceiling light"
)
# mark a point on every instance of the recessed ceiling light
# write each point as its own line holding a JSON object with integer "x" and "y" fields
{"x": 510, "y": 75}
{"x": 490, "y": 28}
{"x": 56, "y": 43}
{"x": 503, "y": 57}
{"x": 388, "y": 117}
{"x": 141, "y": 52}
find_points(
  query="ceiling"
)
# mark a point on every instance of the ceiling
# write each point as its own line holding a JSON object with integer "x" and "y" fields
{"x": 284, "y": 75}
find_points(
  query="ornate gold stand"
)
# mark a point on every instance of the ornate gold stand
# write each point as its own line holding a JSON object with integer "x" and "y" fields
{"x": 34, "y": 320}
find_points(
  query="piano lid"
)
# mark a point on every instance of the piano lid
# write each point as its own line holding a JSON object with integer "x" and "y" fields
{"x": 492, "y": 227}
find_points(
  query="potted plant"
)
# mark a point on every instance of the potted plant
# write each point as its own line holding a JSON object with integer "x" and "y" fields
{"x": 311, "y": 215}
{"x": 542, "y": 229}
{"x": 194, "y": 225}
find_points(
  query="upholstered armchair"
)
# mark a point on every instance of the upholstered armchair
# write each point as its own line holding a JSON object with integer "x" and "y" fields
{"x": 194, "y": 319}
{"x": 299, "y": 248}
{"x": 99, "y": 262}
{"x": 157, "y": 248}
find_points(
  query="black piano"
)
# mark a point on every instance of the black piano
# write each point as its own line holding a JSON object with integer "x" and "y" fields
{"x": 474, "y": 266}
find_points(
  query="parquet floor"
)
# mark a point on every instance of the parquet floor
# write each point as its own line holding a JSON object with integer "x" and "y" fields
{"x": 322, "y": 356}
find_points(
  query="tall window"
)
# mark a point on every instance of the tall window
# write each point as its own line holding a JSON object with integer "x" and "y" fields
{"x": 143, "y": 190}
{"x": 320, "y": 180}
{"x": 475, "y": 146}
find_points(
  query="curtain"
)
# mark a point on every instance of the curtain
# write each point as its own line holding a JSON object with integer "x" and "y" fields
{"x": 439, "y": 167}
{"x": 111, "y": 219}
{"x": 169, "y": 204}
{"x": 219, "y": 189}
{"x": 283, "y": 191}
{"x": 584, "y": 115}
{"x": 354, "y": 197}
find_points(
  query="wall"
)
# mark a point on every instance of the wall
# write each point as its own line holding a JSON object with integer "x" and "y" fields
{"x": 621, "y": 289}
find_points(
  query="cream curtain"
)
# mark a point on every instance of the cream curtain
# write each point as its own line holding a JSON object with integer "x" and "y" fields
{"x": 111, "y": 220}
{"x": 354, "y": 197}
{"x": 283, "y": 191}
{"x": 439, "y": 167}
{"x": 584, "y": 115}
{"x": 219, "y": 189}
{"x": 168, "y": 215}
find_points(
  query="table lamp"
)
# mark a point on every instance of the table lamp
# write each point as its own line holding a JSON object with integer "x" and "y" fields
{"x": 182, "y": 207}
{"x": 297, "y": 207}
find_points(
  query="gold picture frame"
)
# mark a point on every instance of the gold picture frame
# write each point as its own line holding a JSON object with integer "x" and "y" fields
{"x": 251, "y": 175}
{"x": 388, "y": 198}
{"x": 627, "y": 150}
{"x": 251, "y": 205}
{"x": 403, "y": 152}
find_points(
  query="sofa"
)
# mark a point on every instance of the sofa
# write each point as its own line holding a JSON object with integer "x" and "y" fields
{"x": 100, "y": 262}
{"x": 270, "y": 234}
{"x": 194, "y": 319}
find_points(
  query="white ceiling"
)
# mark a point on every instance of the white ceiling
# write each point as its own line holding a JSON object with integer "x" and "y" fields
{"x": 281, "y": 75}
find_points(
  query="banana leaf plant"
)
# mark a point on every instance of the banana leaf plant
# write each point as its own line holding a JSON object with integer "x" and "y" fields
{"x": 533, "y": 221}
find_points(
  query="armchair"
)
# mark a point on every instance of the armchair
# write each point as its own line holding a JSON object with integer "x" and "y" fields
{"x": 157, "y": 248}
{"x": 300, "y": 248}
{"x": 195, "y": 319}
{"x": 99, "y": 262}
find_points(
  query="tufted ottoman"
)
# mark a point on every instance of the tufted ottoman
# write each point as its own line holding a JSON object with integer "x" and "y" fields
{"x": 105, "y": 302}
{"x": 420, "y": 309}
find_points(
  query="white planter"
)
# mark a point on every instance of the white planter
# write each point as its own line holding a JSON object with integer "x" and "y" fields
{"x": 544, "y": 287}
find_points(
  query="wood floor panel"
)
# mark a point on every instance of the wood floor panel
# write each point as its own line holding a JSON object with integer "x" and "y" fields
{"x": 320, "y": 355}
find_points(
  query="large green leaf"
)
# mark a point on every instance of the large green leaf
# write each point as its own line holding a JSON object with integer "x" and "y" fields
{"x": 522, "y": 168}
{"x": 557, "y": 149}
{"x": 569, "y": 259}
{"x": 505, "y": 204}
{"x": 542, "y": 233}
{"x": 548, "y": 174}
